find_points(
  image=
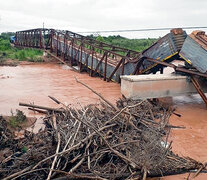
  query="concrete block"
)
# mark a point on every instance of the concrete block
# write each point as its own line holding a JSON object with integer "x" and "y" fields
{"x": 155, "y": 86}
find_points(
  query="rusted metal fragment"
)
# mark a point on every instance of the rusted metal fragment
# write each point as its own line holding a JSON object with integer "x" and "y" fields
{"x": 199, "y": 89}
{"x": 200, "y": 38}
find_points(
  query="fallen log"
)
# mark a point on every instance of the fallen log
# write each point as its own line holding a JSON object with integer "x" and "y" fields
{"x": 38, "y": 110}
{"x": 41, "y": 107}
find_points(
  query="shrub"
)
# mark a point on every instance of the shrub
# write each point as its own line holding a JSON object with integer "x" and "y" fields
{"x": 16, "y": 120}
{"x": 4, "y": 45}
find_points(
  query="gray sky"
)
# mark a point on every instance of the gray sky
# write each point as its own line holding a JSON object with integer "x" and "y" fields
{"x": 90, "y": 15}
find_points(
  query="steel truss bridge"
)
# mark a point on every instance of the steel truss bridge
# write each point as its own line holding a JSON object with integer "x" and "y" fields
{"x": 108, "y": 61}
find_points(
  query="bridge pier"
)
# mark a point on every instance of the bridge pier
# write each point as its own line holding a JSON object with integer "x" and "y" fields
{"x": 156, "y": 86}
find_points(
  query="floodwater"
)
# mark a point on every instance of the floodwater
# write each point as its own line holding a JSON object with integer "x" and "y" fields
{"x": 33, "y": 83}
{"x": 191, "y": 141}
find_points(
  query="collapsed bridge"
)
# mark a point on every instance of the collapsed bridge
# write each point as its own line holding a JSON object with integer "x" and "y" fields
{"x": 111, "y": 62}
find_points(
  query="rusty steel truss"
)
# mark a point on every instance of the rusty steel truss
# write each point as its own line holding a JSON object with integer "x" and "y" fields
{"x": 76, "y": 50}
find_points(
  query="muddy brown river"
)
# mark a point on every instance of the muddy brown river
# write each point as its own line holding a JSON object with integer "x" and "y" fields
{"x": 33, "y": 83}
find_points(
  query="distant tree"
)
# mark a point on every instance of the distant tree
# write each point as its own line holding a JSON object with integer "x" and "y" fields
{"x": 91, "y": 36}
{"x": 6, "y": 35}
{"x": 100, "y": 38}
{"x": 133, "y": 44}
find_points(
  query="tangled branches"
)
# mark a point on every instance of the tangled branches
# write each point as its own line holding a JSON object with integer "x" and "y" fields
{"x": 97, "y": 142}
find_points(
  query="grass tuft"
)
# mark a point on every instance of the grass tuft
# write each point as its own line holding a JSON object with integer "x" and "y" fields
{"x": 16, "y": 120}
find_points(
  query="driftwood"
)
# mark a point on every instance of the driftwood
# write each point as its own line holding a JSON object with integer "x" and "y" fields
{"x": 41, "y": 107}
{"x": 54, "y": 99}
{"x": 38, "y": 110}
{"x": 58, "y": 146}
{"x": 199, "y": 171}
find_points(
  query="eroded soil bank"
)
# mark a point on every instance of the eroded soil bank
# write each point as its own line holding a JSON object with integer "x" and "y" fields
{"x": 33, "y": 83}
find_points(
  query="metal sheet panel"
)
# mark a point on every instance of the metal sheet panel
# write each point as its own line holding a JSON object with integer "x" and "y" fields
{"x": 164, "y": 48}
{"x": 194, "y": 54}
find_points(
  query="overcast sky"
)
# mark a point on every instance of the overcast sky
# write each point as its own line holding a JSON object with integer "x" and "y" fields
{"x": 90, "y": 15}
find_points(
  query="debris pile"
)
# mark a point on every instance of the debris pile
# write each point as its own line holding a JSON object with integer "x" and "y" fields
{"x": 126, "y": 141}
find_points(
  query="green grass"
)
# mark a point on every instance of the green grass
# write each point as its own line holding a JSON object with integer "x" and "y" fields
{"x": 27, "y": 54}
{"x": 9, "y": 52}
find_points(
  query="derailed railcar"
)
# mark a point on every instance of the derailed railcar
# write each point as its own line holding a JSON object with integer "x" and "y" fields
{"x": 166, "y": 48}
{"x": 194, "y": 50}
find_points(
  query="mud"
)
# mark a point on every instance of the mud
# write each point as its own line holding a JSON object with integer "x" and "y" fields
{"x": 33, "y": 83}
